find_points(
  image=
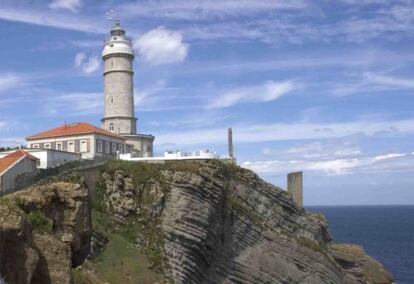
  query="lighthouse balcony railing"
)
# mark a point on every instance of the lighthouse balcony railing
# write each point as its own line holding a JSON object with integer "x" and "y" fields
{"x": 109, "y": 37}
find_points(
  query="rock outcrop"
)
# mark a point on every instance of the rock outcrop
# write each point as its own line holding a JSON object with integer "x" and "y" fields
{"x": 359, "y": 266}
{"x": 217, "y": 223}
{"x": 178, "y": 222}
{"x": 44, "y": 232}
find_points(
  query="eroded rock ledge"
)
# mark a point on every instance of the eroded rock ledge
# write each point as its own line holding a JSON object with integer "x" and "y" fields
{"x": 44, "y": 232}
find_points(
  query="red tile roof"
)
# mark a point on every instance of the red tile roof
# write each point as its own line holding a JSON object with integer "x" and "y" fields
{"x": 73, "y": 129}
{"x": 12, "y": 158}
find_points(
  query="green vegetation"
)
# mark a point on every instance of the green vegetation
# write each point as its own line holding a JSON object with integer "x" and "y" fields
{"x": 79, "y": 277}
{"x": 4, "y": 201}
{"x": 39, "y": 221}
{"x": 313, "y": 245}
{"x": 134, "y": 253}
{"x": 121, "y": 262}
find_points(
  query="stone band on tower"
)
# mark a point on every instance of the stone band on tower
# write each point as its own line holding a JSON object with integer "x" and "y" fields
{"x": 119, "y": 109}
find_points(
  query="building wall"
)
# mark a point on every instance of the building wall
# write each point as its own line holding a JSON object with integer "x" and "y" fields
{"x": 18, "y": 176}
{"x": 142, "y": 145}
{"x": 295, "y": 187}
{"x": 64, "y": 141}
{"x": 119, "y": 94}
{"x": 114, "y": 146}
{"x": 91, "y": 144}
{"x": 52, "y": 159}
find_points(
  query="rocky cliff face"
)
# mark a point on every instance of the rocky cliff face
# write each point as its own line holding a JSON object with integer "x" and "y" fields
{"x": 180, "y": 222}
{"x": 44, "y": 232}
{"x": 217, "y": 223}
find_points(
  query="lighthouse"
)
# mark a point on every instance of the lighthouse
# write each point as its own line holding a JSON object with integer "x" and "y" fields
{"x": 119, "y": 110}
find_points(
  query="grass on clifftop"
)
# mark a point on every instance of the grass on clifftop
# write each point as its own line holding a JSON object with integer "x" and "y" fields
{"x": 122, "y": 263}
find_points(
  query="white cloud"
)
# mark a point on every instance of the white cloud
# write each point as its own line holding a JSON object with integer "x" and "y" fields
{"x": 79, "y": 59}
{"x": 322, "y": 150}
{"x": 198, "y": 10}
{"x": 369, "y": 82}
{"x": 286, "y": 131}
{"x": 85, "y": 64}
{"x": 9, "y": 81}
{"x": 11, "y": 141}
{"x": 162, "y": 46}
{"x": 72, "y": 5}
{"x": 87, "y": 43}
{"x": 401, "y": 83}
{"x": 73, "y": 104}
{"x": 57, "y": 20}
{"x": 268, "y": 21}
{"x": 143, "y": 96}
{"x": 266, "y": 92}
{"x": 393, "y": 162}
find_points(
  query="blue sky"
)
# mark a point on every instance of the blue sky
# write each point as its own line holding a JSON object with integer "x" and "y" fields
{"x": 320, "y": 86}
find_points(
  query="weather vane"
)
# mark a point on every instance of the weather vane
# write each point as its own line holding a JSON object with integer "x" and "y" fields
{"x": 112, "y": 15}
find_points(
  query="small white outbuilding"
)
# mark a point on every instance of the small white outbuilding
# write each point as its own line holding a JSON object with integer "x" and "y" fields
{"x": 16, "y": 169}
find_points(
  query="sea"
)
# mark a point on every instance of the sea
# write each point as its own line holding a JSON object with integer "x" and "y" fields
{"x": 385, "y": 232}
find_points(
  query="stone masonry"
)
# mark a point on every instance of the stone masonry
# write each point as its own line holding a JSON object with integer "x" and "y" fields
{"x": 295, "y": 187}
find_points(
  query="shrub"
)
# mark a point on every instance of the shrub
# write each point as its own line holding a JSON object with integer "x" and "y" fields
{"x": 39, "y": 221}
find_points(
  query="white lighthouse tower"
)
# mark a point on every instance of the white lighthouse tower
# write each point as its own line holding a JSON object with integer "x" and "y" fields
{"x": 119, "y": 116}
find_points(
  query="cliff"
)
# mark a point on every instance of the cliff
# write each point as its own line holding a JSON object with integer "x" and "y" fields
{"x": 44, "y": 232}
{"x": 178, "y": 222}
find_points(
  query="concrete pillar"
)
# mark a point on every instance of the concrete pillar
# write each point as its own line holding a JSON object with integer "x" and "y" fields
{"x": 295, "y": 187}
{"x": 230, "y": 143}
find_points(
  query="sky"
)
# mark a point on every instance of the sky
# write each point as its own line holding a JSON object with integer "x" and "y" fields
{"x": 322, "y": 86}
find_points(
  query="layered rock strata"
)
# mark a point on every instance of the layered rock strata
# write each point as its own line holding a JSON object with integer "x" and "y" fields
{"x": 222, "y": 224}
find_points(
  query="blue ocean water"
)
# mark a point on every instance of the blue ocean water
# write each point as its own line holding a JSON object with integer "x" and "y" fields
{"x": 386, "y": 233}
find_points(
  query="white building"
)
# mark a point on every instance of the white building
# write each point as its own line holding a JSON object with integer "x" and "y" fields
{"x": 16, "y": 170}
{"x": 119, "y": 109}
{"x": 89, "y": 141}
{"x": 49, "y": 158}
{"x": 174, "y": 155}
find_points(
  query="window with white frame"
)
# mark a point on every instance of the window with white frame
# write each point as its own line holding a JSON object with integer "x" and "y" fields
{"x": 111, "y": 127}
{"x": 35, "y": 146}
{"x": 59, "y": 146}
{"x": 100, "y": 149}
{"x": 71, "y": 146}
{"x": 107, "y": 147}
{"x": 83, "y": 146}
{"x": 47, "y": 146}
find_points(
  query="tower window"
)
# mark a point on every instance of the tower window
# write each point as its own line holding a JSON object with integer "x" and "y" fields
{"x": 111, "y": 127}
{"x": 111, "y": 100}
